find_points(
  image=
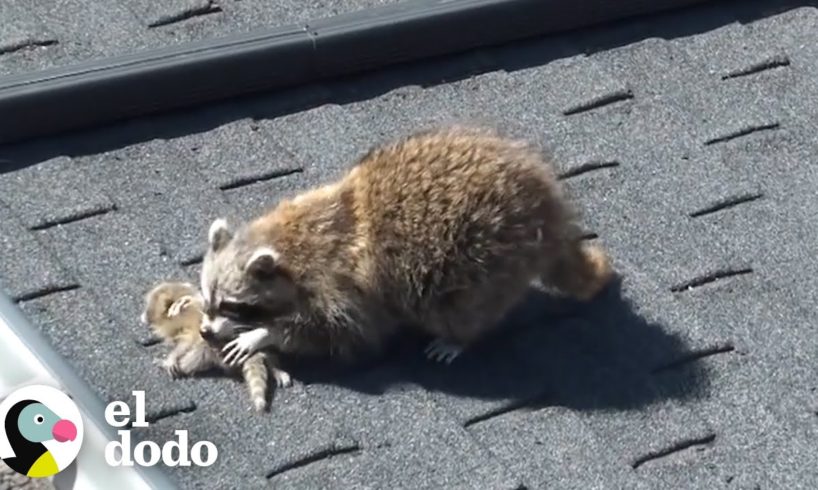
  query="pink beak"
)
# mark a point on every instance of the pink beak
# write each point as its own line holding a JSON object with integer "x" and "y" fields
{"x": 64, "y": 430}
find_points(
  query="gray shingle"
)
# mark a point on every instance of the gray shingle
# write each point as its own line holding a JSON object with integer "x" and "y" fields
{"x": 405, "y": 424}
{"x": 654, "y": 67}
{"x": 172, "y": 204}
{"x": 92, "y": 29}
{"x": 53, "y": 192}
{"x": 188, "y": 21}
{"x": 253, "y": 155}
{"x": 734, "y": 110}
{"x": 252, "y": 200}
{"x": 154, "y": 14}
{"x": 20, "y": 30}
{"x": 759, "y": 431}
{"x": 163, "y": 166}
{"x": 28, "y": 268}
{"x": 293, "y": 432}
{"x": 568, "y": 453}
{"x": 182, "y": 235}
{"x": 583, "y": 85}
{"x": 397, "y": 466}
{"x": 606, "y": 379}
{"x": 114, "y": 257}
{"x": 699, "y": 378}
{"x": 305, "y": 136}
{"x": 88, "y": 29}
{"x": 733, "y": 51}
{"x": 250, "y": 14}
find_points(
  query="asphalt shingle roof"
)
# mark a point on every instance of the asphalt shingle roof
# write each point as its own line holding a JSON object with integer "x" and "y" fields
{"x": 687, "y": 140}
{"x": 38, "y": 34}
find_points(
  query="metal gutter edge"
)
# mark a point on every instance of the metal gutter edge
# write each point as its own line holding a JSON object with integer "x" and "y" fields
{"x": 89, "y": 404}
{"x": 101, "y": 91}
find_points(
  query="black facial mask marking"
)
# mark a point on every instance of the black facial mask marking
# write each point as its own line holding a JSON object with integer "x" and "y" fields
{"x": 243, "y": 312}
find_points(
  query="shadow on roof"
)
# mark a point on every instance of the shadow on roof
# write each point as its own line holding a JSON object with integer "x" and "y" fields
{"x": 599, "y": 356}
{"x": 511, "y": 57}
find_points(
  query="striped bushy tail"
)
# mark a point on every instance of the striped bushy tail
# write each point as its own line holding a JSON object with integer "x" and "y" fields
{"x": 254, "y": 371}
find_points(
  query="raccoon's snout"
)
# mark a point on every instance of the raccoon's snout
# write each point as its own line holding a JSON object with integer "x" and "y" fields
{"x": 218, "y": 328}
{"x": 208, "y": 329}
{"x": 206, "y": 333}
{"x": 211, "y": 330}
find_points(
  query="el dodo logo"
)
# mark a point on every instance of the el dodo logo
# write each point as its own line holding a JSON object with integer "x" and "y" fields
{"x": 41, "y": 431}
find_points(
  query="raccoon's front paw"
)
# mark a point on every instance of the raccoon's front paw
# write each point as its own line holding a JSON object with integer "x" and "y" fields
{"x": 283, "y": 378}
{"x": 238, "y": 350}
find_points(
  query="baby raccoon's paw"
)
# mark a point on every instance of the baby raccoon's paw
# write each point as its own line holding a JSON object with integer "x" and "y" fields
{"x": 440, "y": 350}
{"x": 283, "y": 378}
{"x": 179, "y": 306}
{"x": 171, "y": 366}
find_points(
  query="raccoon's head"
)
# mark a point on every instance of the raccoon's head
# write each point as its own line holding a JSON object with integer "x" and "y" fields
{"x": 245, "y": 283}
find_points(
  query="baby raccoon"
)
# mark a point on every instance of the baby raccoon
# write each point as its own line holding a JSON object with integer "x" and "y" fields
{"x": 442, "y": 231}
{"x": 174, "y": 312}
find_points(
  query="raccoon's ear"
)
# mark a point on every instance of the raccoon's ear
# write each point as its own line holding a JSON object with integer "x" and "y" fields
{"x": 263, "y": 264}
{"x": 219, "y": 234}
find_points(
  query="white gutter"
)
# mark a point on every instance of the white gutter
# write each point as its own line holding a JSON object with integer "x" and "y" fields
{"x": 27, "y": 358}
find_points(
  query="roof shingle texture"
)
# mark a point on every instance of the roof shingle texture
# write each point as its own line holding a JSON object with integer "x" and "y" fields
{"x": 687, "y": 140}
{"x": 38, "y": 34}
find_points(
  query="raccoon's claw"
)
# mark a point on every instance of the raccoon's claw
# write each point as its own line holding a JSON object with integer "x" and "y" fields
{"x": 238, "y": 350}
{"x": 234, "y": 353}
{"x": 283, "y": 378}
{"x": 440, "y": 350}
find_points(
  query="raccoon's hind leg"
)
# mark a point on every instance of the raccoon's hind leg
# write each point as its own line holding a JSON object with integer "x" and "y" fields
{"x": 464, "y": 317}
{"x": 579, "y": 269}
{"x": 187, "y": 359}
{"x": 282, "y": 377}
{"x": 171, "y": 363}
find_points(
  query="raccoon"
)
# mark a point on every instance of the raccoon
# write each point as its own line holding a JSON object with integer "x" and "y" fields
{"x": 442, "y": 231}
{"x": 173, "y": 310}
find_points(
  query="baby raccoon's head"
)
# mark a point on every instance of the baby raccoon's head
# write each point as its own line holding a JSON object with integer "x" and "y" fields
{"x": 158, "y": 302}
{"x": 244, "y": 283}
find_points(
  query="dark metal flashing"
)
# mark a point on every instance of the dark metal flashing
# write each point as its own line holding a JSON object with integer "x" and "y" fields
{"x": 101, "y": 91}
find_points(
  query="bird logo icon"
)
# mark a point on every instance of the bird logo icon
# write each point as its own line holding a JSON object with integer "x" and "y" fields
{"x": 41, "y": 431}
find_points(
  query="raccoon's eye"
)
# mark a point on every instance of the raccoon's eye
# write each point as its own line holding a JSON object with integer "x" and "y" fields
{"x": 242, "y": 312}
